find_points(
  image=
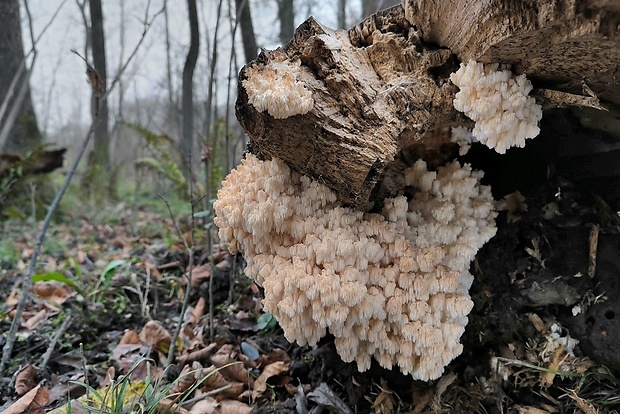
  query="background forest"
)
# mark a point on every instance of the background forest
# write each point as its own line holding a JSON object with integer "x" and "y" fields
{"x": 174, "y": 64}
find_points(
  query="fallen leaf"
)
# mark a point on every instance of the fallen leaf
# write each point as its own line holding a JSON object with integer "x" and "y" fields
{"x": 385, "y": 402}
{"x": 199, "y": 355}
{"x": 155, "y": 335}
{"x": 24, "y": 381}
{"x": 31, "y": 403}
{"x": 233, "y": 407}
{"x": 230, "y": 368}
{"x": 271, "y": 370}
{"x": 186, "y": 379}
{"x": 200, "y": 274}
{"x": 275, "y": 355}
{"x": 206, "y": 406}
{"x": 35, "y": 319}
{"x": 325, "y": 397}
{"x": 129, "y": 337}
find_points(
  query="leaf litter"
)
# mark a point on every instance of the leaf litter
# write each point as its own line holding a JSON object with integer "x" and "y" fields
{"x": 124, "y": 286}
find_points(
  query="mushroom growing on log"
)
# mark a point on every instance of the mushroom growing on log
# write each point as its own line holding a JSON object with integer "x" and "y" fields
{"x": 347, "y": 204}
{"x": 381, "y": 90}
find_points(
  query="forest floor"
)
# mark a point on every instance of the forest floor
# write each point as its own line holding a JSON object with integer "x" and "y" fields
{"x": 542, "y": 337}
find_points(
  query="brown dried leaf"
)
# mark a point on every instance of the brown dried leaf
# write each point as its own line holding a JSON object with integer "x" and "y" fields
{"x": 276, "y": 355}
{"x": 214, "y": 379}
{"x": 31, "y": 403}
{"x": 225, "y": 359}
{"x": 199, "y": 355}
{"x": 271, "y": 370}
{"x": 35, "y": 319}
{"x": 233, "y": 407}
{"x": 129, "y": 337}
{"x": 556, "y": 360}
{"x": 168, "y": 405}
{"x": 108, "y": 378}
{"x": 183, "y": 383}
{"x": 206, "y": 406}
{"x": 127, "y": 356}
{"x": 52, "y": 291}
{"x": 25, "y": 380}
{"x": 200, "y": 274}
{"x": 199, "y": 310}
{"x": 155, "y": 335}
{"x": 385, "y": 402}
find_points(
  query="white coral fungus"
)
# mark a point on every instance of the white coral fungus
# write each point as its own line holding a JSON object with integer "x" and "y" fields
{"x": 392, "y": 285}
{"x": 274, "y": 88}
{"x": 463, "y": 137}
{"x": 497, "y": 101}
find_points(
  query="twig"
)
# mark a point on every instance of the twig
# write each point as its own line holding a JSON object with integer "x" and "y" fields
{"x": 48, "y": 353}
{"x": 210, "y": 247}
{"x": 205, "y": 395}
{"x": 10, "y": 338}
{"x": 593, "y": 244}
{"x": 190, "y": 252}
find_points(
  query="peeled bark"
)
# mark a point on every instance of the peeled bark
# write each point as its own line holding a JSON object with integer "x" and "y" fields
{"x": 382, "y": 94}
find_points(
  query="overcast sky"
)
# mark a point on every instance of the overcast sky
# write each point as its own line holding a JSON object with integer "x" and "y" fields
{"x": 60, "y": 92}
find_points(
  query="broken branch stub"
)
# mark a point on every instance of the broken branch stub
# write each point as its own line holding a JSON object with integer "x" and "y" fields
{"x": 377, "y": 89}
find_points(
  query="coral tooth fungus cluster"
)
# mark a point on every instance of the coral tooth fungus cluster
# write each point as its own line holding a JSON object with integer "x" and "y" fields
{"x": 393, "y": 286}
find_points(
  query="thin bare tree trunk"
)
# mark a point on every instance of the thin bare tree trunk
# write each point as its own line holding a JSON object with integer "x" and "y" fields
{"x": 250, "y": 49}
{"x": 342, "y": 14}
{"x": 187, "y": 140}
{"x": 101, "y": 152}
{"x": 286, "y": 14}
{"x": 25, "y": 132}
{"x": 173, "y": 110}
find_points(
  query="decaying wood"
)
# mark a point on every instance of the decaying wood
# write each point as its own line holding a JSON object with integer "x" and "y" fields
{"x": 558, "y": 44}
{"x": 38, "y": 163}
{"x": 381, "y": 90}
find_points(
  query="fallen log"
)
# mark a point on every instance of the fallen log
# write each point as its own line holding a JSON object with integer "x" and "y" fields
{"x": 39, "y": 162}
{"x": 378, "y": 96}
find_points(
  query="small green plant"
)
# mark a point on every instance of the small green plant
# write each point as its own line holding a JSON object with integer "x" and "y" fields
{"x": 9, "y": 256}
{"x": 143, "y": 397}
{"x": 266, "y": 322}
{"x": 76, "y": 280}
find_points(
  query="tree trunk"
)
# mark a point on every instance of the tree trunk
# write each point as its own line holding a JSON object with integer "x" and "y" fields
{"x": 286, "y": 15}
{"x": 250, "y": 49}
{"x": 101, "y": 152}
{"x": 342, "y": 14}
{"x": 187, "y": 140}
{"x": 382, "y": 93}
{"x": 25, "y": 133}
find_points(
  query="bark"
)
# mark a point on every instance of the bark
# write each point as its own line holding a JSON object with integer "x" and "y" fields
{"x": 250, "y": 49}
{"x": 382, "y": 95}
{"x": 99, "y": 107}
{"x": 187, "y": 140}
{"x": 25, "y": 133}
{"x": 38, "y": 163}
{"x": 286, "y": 15}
